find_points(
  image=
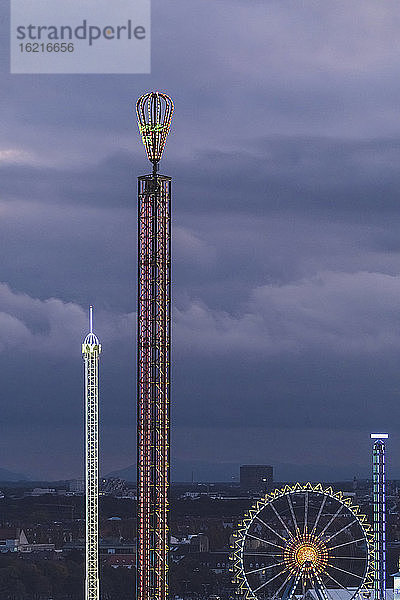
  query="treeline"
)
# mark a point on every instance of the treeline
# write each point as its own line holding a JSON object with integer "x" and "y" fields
{"x": 189, "y": 578}
{"x": 22, "y": 512}
{"x": 22, "y": 579}
{"x": 206, "y": 507}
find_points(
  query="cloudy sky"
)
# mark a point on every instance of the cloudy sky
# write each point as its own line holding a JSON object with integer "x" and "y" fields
{"x": 285, "y": 156}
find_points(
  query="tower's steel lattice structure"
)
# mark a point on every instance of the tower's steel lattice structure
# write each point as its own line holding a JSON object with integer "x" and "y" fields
{"x": 154, "y": 112}
{"x": 91, "y": 350}
{"x": 379, "y": 504}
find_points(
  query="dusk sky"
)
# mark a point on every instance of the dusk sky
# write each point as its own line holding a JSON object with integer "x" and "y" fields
{"x": 285, "y": 157}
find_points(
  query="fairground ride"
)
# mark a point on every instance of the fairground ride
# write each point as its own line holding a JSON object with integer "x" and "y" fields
{"x": 303, "y": 538}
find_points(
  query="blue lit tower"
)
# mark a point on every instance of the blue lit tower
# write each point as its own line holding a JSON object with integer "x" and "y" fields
{"x": 91, "y": 351}
{"x": 379, "y": 505}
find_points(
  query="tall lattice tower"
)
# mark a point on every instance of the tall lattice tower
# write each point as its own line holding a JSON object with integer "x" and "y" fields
{"x": 91, "y": 351}
{"x": 154, "y": 112}
{"x": 379, "y": 505}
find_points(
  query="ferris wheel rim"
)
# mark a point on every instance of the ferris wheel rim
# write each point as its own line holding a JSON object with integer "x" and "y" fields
{"x": 360, "y": 520}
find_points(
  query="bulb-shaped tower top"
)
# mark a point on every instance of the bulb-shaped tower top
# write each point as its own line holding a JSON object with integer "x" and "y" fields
{"x": 154, "y": 112}
{"x": 91, "y": 339}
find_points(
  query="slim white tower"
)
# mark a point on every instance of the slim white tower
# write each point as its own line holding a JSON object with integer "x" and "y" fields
{"x": 91, "y": 351}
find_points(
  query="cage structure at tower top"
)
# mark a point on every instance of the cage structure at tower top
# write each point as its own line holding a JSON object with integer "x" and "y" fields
{"x": 299, "y": 539}
{"x": 91, "y": 339}
{"x": 154, "y": 114}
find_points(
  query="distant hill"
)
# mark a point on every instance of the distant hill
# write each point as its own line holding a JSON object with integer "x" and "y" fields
{"x": 203, "y": 471}
{"x": 6, "y": 475}
{"x": 129, "y": 473}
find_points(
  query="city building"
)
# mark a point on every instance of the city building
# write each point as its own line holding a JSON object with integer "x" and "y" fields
{"x": 118, "y": 555}
{"x": 113, "y": 486}
{"x": 42, "y": 492}
{"x": 11, "y": 538}
{"x": 77, "y": 486}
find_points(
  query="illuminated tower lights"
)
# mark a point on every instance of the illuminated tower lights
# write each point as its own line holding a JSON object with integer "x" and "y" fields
{"x": 154, "y": 112}
{"x": 379, "y": 506}
{"x": 91, "y": 350}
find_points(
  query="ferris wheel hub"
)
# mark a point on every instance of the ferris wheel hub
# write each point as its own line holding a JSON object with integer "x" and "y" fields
{"x": 307, "y": 554}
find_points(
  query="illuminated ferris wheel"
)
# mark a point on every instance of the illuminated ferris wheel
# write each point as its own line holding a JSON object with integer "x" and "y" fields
{"x": 299, "y": 539}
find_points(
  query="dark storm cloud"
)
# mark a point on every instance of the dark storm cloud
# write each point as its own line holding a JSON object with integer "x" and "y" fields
{"x": 306, "y": 175}
{"x": 307, "y": 391}
{"x": 109, "y": 183}
{"x": 284, "y": 151}
{"x": 52, "y": 327}
{"x": 71, "y": 251}
{"x": 274, "y": 68}
{"x": 336, "y": 177}
{"x": 220, "y": 229}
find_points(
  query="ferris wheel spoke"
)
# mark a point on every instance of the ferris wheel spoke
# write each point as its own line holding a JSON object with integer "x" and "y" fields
{"x": 278, "y": 591}
{"x": 323, "y": 587}
{"x": 332, "y": 519}
{"x": 264, "y": 541}
{"x": 305, "y": 513}
{"x": 295, "y": 584}
{"x": 324, "y": 591}
{"x": 269, "y": 581}
{"x": 270, "y": 528}
{"x": 262, "y": 554}
{"x": 296, "y": 527}
{"x": 344, "y": 571}
{"x": 327, "y": 592}
{"x": 264, "y": 568}
{"x": 348, "y": 557}
{"x": 319, "y": 514}
{"x": 281, "y": 520}
{"x": 346, "y": 543}
{"x": 341, "y": 530}
{"x": 338, "y": 583}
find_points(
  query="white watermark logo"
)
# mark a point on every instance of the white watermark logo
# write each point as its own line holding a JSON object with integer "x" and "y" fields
{"x": 71, "y": 36}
